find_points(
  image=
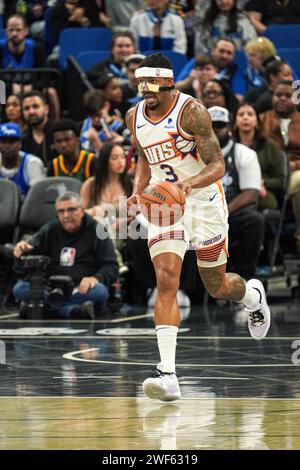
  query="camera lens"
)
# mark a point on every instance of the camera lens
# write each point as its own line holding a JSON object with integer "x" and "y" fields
{"x": 56, "y": 297}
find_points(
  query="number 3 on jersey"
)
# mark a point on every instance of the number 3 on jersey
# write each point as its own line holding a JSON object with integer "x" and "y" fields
{"x": 169, "y": 172}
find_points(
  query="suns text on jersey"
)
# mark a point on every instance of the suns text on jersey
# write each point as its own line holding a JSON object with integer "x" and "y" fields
{"x": 161, "y": 151}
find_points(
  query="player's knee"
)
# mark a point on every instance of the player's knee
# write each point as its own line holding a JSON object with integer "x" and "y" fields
{"x": 167, "y": 280}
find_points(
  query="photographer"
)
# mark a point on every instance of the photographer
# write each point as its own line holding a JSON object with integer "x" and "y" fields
{"x": 74, "y": 250}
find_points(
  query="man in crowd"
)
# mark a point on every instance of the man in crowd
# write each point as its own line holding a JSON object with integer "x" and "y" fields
{"x": 75, "y": 250}
{"x": 20, "y": 167}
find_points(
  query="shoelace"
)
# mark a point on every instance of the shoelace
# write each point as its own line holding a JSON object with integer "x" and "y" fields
{"x": 159, "y": 373}
{"x": 256, "y": 318}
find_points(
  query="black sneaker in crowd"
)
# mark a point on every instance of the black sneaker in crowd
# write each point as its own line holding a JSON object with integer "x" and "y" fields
{"x": 85, "y": 311}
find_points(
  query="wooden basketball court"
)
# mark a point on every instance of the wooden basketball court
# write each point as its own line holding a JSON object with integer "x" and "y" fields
{"x": 79, "y": 385}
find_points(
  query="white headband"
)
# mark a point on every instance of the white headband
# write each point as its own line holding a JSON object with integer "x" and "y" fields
{"x": 153, "y": 72}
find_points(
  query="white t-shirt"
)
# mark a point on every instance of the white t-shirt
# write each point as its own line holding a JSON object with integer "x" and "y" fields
{"x": 284, "y": 128}
{"x": 247, "y": 165}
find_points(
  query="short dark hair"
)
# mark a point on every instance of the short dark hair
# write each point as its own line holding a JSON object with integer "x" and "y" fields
{"x": 158, "y": 61}
{"x": 93, "y": 101}
{"x": 104, "y": 80}
{"x": 227, "y": 39}
{"x": 273, "y": 67}
{"x": 33, "y": 93}
{"x": 20, "y": 17}
{"x": 284, "y": 82}
{"x": 202, "y": 60}
{"x": 65, "y": 125}
{"x": 123, "y": 34}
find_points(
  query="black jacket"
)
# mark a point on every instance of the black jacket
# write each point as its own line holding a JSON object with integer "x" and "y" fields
{"x": 93, "y": 257}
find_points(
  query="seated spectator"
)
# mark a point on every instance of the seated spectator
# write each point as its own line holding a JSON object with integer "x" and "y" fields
{"x": 13, "y": 110}
{"x": 223, "y": 54}
{"x": 264, "y": 13}
{"x": 113, "y": 95}
{"x": 72, "y": 160}
{"x": 276, "y": 70}
{"x": 20, "y": 167}
{"x": 205, "y": 70}
{"x": 36, "y": 18}
{"x": 156, "y": 27}
{"x": 123, "y": 45}
{"x": 247, "y": 129}
{"x": 259, "y": 51}
{"x": 100, "y": 126}
{"x": 217, "y": 93}
{"x": 120, "y": 13}
{"x": 102, "y": 194}
{"x": 131, "y": 95}
{"x": 223, "y": 19}
{"x": 17, "y": 52}
{"x": 282, "y": 124}
{"x": 186, "y": 9}
{"x": 109, "y": 183}
{"x": 68, "y": 14}
{"x": 37, "y": 138}
{"x": 74, "y": 249}
{"x": 241, "y": 182}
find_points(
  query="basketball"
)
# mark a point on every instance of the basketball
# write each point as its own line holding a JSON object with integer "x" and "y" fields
{"x": 183, "y": 145}
{"x": 162, "y": 203}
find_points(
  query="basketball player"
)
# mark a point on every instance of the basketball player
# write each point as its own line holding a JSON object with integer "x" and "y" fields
{"x": 164, "y": 119}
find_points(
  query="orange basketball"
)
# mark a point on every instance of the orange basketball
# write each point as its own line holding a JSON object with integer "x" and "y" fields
{"x": 162, "y": 203}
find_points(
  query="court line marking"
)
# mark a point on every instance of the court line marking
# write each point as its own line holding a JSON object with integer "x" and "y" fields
{"x": 71, "y": 356}
{"x": 61, "y": 397}
{"x": 63, "y": 320}
{"x": 93, "y": 377}
{"x": 181, "y": 336}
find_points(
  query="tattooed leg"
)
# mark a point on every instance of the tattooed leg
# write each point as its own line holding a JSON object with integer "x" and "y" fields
{"x": 222, "y": 285}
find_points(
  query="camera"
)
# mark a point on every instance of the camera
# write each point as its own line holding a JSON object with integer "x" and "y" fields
{"x": 61, "y": 287}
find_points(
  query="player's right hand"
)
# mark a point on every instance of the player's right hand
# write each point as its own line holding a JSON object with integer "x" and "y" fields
{"x": 21, "y": 247}
{"x": 132, "y": 204}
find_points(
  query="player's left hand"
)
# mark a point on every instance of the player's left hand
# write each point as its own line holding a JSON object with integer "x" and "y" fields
{"x": 185, "y": 187}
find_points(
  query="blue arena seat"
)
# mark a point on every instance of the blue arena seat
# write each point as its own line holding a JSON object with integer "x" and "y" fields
{"x": 284, "y": 35}
{"x": 2, "y": 33}
{"x": 75, "y": 40}
{"x": 178, "y": 60}
{"x": 292, "y": 56}
{"x": 87, "y": 59}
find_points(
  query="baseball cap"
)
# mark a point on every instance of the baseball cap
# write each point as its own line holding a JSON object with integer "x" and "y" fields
{"x": 10, "y": 130}
{"x": 219, "y": 114}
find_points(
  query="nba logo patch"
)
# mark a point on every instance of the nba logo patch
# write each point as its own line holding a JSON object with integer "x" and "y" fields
{"x": 157, "y": 72}
{"x": 67, "y": 256}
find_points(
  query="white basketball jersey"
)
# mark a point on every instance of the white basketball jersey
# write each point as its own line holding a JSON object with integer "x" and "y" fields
{"x": 170, "y": 151}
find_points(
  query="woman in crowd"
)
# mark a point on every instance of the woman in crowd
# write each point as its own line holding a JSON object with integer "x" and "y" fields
{"x": 13, "y": 110}
{"x": 102, "y": 194}
{"x": 247, "y": 130}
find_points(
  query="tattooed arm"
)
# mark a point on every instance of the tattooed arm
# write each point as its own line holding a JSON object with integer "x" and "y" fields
{"x": 143, "y": 172}
{"x": 197, "y": 122}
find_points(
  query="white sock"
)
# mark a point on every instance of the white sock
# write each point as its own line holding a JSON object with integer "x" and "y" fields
{"x": 251, "y": 298}
{"x": 167, "y": 340}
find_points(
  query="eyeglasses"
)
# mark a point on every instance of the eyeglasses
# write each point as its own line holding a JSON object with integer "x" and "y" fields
{"x": 212, "y": 94}
{"x": 69, "y": 210}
